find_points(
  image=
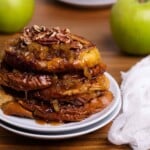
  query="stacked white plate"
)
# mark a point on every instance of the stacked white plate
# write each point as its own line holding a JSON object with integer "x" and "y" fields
{"x": 30, "y": 128}
{"x": 89, "y": 3}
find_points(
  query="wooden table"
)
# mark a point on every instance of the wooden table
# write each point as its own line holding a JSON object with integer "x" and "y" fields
{"x": 94, "y": 25}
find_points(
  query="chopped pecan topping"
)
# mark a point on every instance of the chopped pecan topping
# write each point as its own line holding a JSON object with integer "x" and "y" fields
{"x": 45, "y": 36}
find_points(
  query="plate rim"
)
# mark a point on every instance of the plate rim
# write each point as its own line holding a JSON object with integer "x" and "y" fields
{"x": 90, "y": 3}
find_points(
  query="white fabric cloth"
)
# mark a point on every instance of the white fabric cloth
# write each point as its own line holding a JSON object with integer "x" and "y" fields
{"x": 132, "y": 126}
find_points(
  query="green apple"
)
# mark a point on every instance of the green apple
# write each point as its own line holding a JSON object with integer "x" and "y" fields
{"x": 130, "y": 25}
{"x": 15, "y": 14}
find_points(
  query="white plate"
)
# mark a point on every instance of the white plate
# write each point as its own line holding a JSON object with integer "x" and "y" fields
{"x": 65, "y": 135}
{"x": 33, "y": 126}
{"x": 89, "y": 3}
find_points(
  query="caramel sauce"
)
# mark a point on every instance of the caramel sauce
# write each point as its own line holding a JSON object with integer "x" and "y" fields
{"x": 53, "y": 123}
{"x": 41, "y": 122}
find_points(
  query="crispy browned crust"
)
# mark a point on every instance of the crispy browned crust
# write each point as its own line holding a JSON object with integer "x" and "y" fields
{"x": 56, "y": 84}
{"x": 54, "y": 65}
{"x": 14, "y": 109}
{"x": 24, "y": 81}
{"x": 65, "y": 113}
{"x": 69, "y": 87}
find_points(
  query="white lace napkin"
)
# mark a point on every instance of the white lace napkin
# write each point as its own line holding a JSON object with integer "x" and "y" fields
{"x": 132, "y": 126}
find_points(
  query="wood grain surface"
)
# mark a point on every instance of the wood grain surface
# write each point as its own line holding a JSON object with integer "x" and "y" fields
{"x": 94, "y": 25}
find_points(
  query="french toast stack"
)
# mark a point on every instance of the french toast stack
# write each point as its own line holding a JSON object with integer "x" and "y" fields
{"x": 53, "y": 75}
